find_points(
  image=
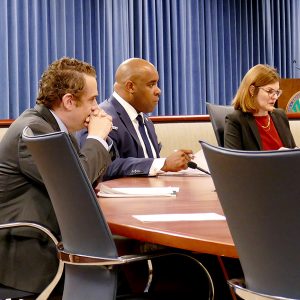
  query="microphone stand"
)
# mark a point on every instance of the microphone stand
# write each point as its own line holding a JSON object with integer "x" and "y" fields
{"x": 193, "y": 165}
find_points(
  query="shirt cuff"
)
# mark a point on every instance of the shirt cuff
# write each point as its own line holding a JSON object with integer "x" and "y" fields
{"x": 156, "y": 166}
{"x": 102, "y": 141}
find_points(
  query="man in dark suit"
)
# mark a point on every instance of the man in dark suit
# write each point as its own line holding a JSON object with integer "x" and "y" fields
{"x": 66, "y": 102}
{"x": 136, "y": 93}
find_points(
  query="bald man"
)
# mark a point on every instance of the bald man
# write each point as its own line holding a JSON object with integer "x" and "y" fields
{"x": 136, "y": 93}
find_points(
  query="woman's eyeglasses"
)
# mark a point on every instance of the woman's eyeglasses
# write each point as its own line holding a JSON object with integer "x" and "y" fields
{"x": 271, "y": 92}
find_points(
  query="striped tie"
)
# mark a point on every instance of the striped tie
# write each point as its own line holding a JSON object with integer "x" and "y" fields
{"x": 144, "y": 135}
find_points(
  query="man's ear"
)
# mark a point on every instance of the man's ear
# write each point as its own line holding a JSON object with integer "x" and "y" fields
{"x": 129, "y": 86}
{"x": 68, "y": 101}
{"x": 251, "y": 90}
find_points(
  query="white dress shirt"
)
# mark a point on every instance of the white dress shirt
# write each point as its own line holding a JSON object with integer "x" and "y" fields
{"x": 158, "y": 163}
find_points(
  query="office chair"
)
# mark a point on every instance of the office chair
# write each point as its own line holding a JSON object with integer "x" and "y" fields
{"x": 11, "y": 293}
{"x": 87, "y": 248}
{"x": 217, "y": 115}
{"x": 259, "y": 194}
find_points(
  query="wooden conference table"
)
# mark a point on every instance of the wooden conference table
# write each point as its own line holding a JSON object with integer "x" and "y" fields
{"x": 196, "y": 195}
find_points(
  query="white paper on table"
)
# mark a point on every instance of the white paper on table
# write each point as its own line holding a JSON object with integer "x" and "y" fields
{"x": 188, "y": 172}
{"x": 199, "y": 159}
{"x": 106, "y": 191}
{"x": 180, "y": 217}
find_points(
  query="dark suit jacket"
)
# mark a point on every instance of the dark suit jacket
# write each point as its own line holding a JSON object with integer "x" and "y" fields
{"x": 27, "y": 261}
{"x": 241, "y": 131}
{"x": 130, "y": 160}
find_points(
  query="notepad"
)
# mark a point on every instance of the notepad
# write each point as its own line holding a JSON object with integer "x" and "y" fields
{"x": 106, "y": 191}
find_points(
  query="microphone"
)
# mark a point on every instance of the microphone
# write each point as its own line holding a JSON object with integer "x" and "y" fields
{"x": 193, "y": 165}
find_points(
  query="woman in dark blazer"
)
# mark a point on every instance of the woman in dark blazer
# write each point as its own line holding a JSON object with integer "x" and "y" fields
{"x": 256, "y": 124}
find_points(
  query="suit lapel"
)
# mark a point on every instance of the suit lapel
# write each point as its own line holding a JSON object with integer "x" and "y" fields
{"x": 127, "y": 123}
{"x": 254, "y": 129}
{"x": 74, "y": 142}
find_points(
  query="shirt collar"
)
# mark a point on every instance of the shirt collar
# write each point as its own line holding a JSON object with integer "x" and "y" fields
{"x": 60, "y": 123}
{"x": 131, "y": 111}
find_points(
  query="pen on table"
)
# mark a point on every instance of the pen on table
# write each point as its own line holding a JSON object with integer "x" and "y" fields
{"x": 191, "y": 156}
{"x": 114, "y": 127}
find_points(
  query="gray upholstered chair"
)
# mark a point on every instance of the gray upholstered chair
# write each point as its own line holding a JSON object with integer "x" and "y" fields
{"x": 10, "y": 293}
{"x": 217, "y": 115}
{"x": 259, "y": 194}
{"x": 87, "y": 249}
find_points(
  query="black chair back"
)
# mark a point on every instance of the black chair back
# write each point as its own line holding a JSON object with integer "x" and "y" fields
{"x": 259, "y": 193}
{"x": 81, "y": 221}
{"x": 217, "y": 115}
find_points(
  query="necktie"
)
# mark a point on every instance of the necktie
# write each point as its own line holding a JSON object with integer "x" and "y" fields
{"x": 144, "y": 135}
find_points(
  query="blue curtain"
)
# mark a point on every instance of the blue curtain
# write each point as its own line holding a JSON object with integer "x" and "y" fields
{"x": 202, "y": 48}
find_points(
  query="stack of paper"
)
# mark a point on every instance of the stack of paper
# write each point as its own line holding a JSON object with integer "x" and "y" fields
{"x": 187, "y": 172}
{"x": 106, "y": 191}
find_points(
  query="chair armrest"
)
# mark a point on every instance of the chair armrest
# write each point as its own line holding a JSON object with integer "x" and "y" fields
{"x": 78, "y": 259}
{"x": 239, "y": 287}
{"x": 47, "y": 291}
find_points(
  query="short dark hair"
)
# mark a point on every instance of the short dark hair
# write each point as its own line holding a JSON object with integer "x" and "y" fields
{"x": 63, "y": 76}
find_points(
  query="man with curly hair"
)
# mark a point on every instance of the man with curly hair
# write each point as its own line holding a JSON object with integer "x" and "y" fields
{"x": 66, "y": 102}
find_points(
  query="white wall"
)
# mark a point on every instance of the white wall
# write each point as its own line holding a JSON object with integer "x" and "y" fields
{"x": 184, "y": 136}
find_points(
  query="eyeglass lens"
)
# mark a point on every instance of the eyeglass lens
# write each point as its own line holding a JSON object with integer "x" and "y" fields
{"x": 272, "y": 92}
